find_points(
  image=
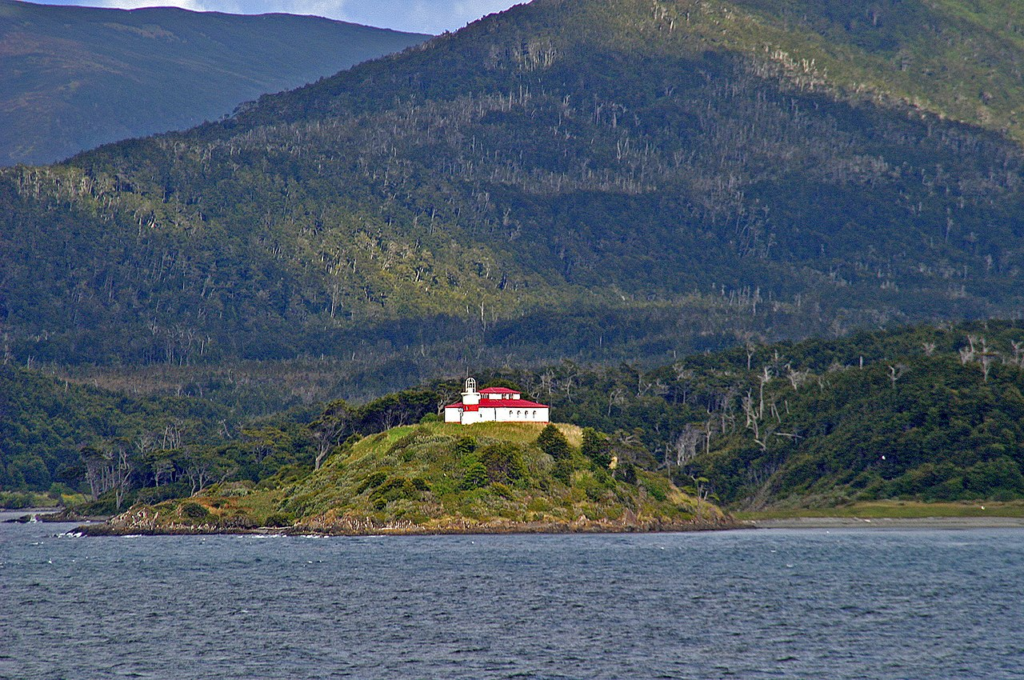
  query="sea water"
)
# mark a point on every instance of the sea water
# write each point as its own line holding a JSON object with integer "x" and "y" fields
{"x": 744, "y": 604}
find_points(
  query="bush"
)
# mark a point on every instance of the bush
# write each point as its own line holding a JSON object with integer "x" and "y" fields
{"x": 626, "y": 472}
{"x": 430, "y": 418}
{"x": 503, "y": 490}
{"x": 658, "y": 489}
{"x": 151, "y": 495}
{"x": 475, "y": 476}
{"x": 193, "y": 510}
{"x": 503, "y": 462}
{"x": 465, "y": 446}
{"x": 278, "y": 519}
{"x": 563, "y": 471}
{"x": 15, "y": 501}
{"x": 394, "y": 489}
{"x": 596, "y": 447}
{"x": 238, "y": 522}
{"x": 372, "y": 481}
{"x": 553, "y": 443}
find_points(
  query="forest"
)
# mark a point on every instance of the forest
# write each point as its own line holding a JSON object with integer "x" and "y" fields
{"x": 920, "y": 413}
{"x": 582, "y": 180}
{"x": 756, "y": 247}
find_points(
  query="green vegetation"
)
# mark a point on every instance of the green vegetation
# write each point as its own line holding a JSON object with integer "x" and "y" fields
{"x": 600, "y": 180}
{"x": 919, "y": 413}
{"x": 78, "y": 77}
{"x": 636, "y": 203}
{"x": 894, "y": 510}
{"x": 438, "y": 478}
{"x": 922, "y": 413}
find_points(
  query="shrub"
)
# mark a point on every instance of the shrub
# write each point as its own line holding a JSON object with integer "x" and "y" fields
{"x": 596, "y": 447}
{"x": 15, "y": 501}
{"x": 503, "y": 462}
{"x": 277, "y": 519}
{"x": 465, "y": 446}
{"x": 393, "y": 489}
{"x": 238, "y": 522}
{"x": 503, "y": 490}
{"x": 193, "y": 510}
{"x": 475, "y": 476}
{"x": 563, "y": 471}
{"x": 553, "y": 443}
{"x": 152, "y": 495}
{"x": 403, "y": 443}
{"x": 372, "y": 481}
{"x": 430, "y": 418}
{"x": 626, "y": 472}
{"x": 595, "y": 492}
{"x": 658, "y": 489}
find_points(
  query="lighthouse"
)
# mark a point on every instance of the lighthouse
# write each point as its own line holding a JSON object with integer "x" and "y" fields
{"x": 494, "y": 404}
{"x": 470, "y": 403}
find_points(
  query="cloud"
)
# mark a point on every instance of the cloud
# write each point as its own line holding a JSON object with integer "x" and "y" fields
{"x": 421, "y": 16}
{"x": 137, "y": 4}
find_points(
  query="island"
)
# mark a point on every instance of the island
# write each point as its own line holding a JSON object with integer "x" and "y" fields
{"x": 443, "y": 478}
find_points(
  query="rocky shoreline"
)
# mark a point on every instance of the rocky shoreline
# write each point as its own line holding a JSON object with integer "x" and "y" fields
{"x": 369, "y": 528}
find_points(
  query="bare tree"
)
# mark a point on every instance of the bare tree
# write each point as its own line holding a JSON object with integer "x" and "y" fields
{"x": 896, "y": 372}
{"x": 124, "y": 466}
{"x": 98, "y": 469}
{"x": 616, "y": 397}
{"x": 1018, "y": 353}
{"x": 685, "y": 444}
{"x": 329, "y": 428}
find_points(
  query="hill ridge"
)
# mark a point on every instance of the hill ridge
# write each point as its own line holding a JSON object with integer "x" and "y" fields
{"x": 76, "y": 77}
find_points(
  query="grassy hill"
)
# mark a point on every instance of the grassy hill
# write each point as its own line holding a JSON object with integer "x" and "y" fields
{"x": 77, "y": 77}
{"x": 440, "y": 478}
{"x": 600, "y": 181}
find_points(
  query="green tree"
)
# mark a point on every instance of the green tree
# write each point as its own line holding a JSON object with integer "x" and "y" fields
{"x": 503, "y": 462}
{"x": 552, "y": 442}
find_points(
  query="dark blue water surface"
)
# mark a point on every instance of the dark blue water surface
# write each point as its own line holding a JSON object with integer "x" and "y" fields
{"x": 747, "y": 604}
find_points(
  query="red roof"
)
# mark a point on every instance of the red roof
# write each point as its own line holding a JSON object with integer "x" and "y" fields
{"x": 499, "y": 390}
{"x": 503, "y": 403}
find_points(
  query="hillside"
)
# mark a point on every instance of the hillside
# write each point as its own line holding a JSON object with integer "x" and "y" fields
{"x": 599, "y": 180}
{"x": 51, "y": 431}
{"x": 437, "y": 478}
{"x": 76, "y": 77}
{"x": 917, "y": 414}
{"x": 920, "y": 414}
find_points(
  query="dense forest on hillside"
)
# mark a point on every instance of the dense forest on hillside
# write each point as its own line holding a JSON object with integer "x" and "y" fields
{"x": 920, "y": 412}
{"x": 77, "y": 77}
{"x": 575, "y": 179}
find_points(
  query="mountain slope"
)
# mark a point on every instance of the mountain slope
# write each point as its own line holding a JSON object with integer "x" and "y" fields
{"x": 593, "y": 179}
{"x": 77, "y": 77}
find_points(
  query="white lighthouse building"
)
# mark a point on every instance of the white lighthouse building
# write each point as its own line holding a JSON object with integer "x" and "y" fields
{"x": 494, "y": 404}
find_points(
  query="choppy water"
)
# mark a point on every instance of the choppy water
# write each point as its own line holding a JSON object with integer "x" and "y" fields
{"x": 750, "y": 604}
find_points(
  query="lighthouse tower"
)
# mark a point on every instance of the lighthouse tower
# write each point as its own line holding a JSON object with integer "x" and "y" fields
{"x": 470, "y": 403}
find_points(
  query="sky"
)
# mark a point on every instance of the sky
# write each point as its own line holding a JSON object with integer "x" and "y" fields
{"x": 418, "y": 16}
